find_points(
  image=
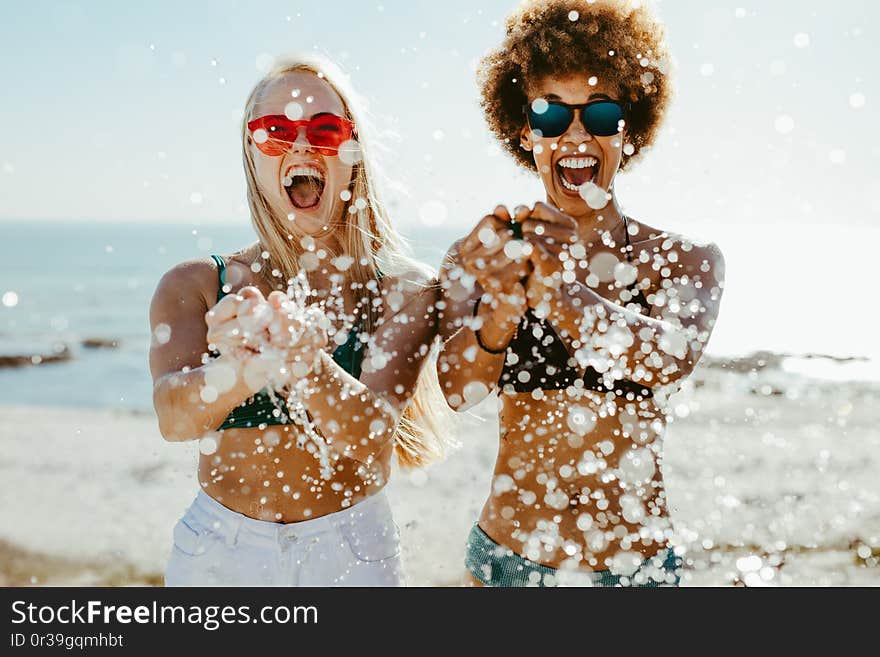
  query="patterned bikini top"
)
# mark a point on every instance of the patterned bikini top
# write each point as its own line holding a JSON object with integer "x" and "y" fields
{"x": 537, "y": 358}
{"x": 260, "y": 409}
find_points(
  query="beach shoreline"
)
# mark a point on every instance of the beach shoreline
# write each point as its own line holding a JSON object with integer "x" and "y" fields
{"x": 761, "y": 467}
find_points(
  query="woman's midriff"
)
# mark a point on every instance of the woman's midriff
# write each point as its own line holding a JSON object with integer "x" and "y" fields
{"x": 577, "y": 478}
{"x": 261, "y": 473}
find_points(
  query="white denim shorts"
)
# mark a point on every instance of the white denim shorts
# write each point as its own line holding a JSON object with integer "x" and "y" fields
{"x": 216, "y": 546}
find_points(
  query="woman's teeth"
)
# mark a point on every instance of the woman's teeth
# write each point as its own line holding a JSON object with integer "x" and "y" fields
{"x": 577, "y": 162}
{"x": 310, "y": 172}
{"x": 575, "y": 171}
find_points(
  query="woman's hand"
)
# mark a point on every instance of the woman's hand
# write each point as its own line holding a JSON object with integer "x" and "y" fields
{"x": 299, "y": 334}
{"x": 492, "y": 255}
{"x": 500, "y": 263}
{"x": 237, "y": 324}
{"x": 551, "y": 234}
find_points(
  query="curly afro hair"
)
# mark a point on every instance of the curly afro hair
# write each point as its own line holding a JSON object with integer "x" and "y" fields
{"x": 619, "y": 41}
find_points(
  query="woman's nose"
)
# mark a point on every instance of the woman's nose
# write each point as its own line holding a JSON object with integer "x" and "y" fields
{"x": 301, "y": 142}
{"x": 578, "y": 130}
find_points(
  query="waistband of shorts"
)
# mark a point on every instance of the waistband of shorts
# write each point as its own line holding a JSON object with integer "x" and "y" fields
{"x": 212, "y": 512}
{"x": 496, "y": 565}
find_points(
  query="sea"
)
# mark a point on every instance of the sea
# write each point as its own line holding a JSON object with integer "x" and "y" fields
{"x": 801, "y": 292}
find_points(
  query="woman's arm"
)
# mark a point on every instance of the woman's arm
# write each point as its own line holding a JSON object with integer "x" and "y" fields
{"x": 191, "y": 395}
{"x": 487, "y": 268}
{"x": 467, "y": 368}
{"x": 359, "y": 417}
{"x": 656, "y": 351}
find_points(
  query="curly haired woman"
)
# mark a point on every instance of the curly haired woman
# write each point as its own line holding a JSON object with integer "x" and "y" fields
{"x": 583, "y": 319}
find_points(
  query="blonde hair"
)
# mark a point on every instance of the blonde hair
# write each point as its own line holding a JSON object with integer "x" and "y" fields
{"x": 369, "y": 238}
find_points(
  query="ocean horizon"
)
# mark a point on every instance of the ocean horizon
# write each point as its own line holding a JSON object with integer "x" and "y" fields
{"x": 73, "y": 281}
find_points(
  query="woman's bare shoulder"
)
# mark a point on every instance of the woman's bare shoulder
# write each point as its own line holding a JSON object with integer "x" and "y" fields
{"x": 689, "y": 251}
{"x": 190, "y": 279}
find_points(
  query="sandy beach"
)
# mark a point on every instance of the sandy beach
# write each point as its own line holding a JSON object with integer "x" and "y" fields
{"x": 772, "y": 477}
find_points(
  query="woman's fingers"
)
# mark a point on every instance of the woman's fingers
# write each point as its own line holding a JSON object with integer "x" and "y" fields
{"x": 276, "y": 298}
{"x": 233, "y": 305}
{"x": 543, "y": 230}
{"x": 487, "y": 232}
{"x": 544, "y": 212}
{"x": 223, "y": 310}
{"x": 502, "y": 213}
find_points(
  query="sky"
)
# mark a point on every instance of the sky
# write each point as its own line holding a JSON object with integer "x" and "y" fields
{"x": 129, "y": 112}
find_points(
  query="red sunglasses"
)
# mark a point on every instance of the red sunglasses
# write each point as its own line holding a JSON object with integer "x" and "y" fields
{"x": 324, "y": 131}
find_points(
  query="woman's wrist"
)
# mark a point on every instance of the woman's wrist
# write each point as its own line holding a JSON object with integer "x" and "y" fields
{"x": 491, "y": 337}
{"x": 301, "y": 363}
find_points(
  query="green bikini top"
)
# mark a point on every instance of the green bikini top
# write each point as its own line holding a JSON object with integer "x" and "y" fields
{"x": 260, "y": 409}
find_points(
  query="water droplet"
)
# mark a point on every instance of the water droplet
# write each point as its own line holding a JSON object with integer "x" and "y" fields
{"x": 751, "y": 563}
{"x": 162, "y": 333}
{"x": 293, "y": 111}
{"x": 221, "y": 376}
{"x": 596, "y": 197}
{"x": 342, "y": 263}
{"x": 487, "y": 236}
{"x": 350, "y": 151}
{"x": 573, "y": 16}
{"x": 625, "y": 273}
{"x": 778, "y": 67}
{"x": 857, "y": 100}
{"x": 10, "y": 299}
{"x": 801, "y": 40}
{"x": 539, "y": 105}
{"x": 637, "y": 466}
{"x": 474, "y": 392}
{"x": 418, "y": 477}
{"x": 513, "y": 249}
{"x": 208, "y": 394}
{"x": 603, "y": 266}
{"x": 784, "y": 124}
{"x": 580, "y": 420}
{"x": 502, "y": 484}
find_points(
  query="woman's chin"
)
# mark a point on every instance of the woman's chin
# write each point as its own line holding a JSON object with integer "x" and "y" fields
{"x": 310, "y": 225}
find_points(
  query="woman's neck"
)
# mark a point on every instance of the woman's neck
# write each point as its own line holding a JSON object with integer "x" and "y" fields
{"x": 594, "y": 223}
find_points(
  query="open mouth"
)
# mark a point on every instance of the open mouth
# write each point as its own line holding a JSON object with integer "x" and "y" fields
{"x": 304, "y": 186}
{"x": 574, "y": 172}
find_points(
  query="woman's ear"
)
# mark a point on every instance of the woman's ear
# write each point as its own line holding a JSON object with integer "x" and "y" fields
{"x": 525, "y": 138}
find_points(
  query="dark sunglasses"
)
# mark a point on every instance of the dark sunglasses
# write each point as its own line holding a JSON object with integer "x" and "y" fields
{"x": 601, "y": 118}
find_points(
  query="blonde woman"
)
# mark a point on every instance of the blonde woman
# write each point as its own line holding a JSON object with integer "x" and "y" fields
{"x": 298, "y": 362}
